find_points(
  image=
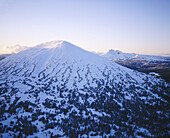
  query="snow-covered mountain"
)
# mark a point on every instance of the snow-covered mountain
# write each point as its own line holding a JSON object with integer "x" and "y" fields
{"x": 118, "y": 55}
{"x": 58, "y": 89}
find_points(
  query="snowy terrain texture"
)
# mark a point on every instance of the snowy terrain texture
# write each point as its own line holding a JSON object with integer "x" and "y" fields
{"x": 57, "y": 89}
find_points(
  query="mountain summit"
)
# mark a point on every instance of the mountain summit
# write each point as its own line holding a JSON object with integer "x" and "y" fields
{"x": 56, "y": 44}
{"x": 58, "y": 89}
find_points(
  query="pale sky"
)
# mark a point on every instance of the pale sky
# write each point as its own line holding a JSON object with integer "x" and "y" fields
{"x": 135, "y": 26}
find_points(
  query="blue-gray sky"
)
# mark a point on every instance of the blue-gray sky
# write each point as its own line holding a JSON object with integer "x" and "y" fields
{"x": 140, "y": 26}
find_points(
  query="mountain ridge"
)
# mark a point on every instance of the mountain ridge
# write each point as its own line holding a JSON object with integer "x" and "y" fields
{"x": 119, "y": 55}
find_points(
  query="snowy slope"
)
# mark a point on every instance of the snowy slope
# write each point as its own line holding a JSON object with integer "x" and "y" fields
{"x": 118, "y": 55}
{"x": 59, "y": 89}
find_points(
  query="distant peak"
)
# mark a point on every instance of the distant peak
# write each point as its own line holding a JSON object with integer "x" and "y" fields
{"x": 115, "y": 51}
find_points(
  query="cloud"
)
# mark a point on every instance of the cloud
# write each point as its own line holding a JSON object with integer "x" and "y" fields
{"x": 13, "y": 49}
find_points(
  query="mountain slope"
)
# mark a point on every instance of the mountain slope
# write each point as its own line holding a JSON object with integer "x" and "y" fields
{"x": 2, "y": 56}
{"x": 59, "y": 89}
